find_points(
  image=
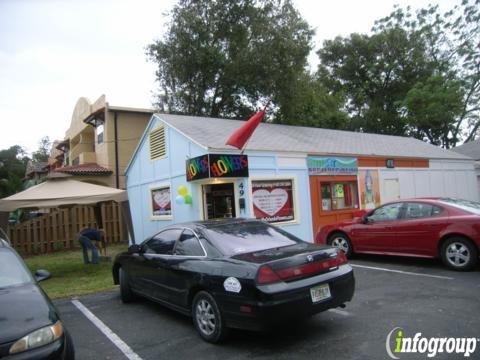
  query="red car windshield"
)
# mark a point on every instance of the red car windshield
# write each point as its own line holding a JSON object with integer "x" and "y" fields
{"x": 470, "y": 206}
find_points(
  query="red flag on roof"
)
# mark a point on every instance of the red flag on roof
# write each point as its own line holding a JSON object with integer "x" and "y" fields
{"x": 243, "y": 133}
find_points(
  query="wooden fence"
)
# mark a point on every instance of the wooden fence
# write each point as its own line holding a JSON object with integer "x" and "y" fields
{"x": 57, "y": 230}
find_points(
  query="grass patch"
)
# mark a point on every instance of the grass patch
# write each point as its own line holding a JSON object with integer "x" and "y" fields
{"x": 70, "y": 276}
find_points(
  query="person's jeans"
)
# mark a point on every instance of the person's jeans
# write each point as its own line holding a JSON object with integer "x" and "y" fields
{"x": 87, "y": 244}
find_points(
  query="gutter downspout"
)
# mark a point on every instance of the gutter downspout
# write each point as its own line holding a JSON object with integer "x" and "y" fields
{"x": 115, "y": 127}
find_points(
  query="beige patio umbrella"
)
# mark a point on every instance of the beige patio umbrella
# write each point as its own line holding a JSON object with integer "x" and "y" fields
{"x": 60, "y": 191}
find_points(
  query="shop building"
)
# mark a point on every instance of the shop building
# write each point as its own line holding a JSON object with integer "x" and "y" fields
{"x": 296, "y": 177}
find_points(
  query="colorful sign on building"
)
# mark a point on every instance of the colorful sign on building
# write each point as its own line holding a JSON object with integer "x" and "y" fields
{"x": 217, "y": 166}
{"x": 332, "y": 165}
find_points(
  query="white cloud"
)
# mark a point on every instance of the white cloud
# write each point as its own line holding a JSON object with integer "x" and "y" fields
{"x": 53, "y": 52}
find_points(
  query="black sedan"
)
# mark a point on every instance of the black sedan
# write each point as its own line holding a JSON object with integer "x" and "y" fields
{"x": 234, "y": 273}
{"x": 30, "y": 327}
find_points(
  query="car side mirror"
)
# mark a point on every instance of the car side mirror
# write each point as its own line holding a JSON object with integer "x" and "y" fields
{"x": 367, "y": 220}
{"x": 134, "y": 249}
{"x": 41, "y": 275}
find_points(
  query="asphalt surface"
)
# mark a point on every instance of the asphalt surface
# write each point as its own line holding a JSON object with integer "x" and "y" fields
{"x": 445, "y": 305}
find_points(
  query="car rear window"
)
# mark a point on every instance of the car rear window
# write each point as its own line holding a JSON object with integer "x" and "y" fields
{"x": 242, "y": 238}
{"x": 12, "y": 270}
{"x": 470, "y": 206}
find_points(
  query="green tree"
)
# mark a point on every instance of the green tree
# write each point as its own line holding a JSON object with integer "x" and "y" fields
{"x": 43, "y": 152}
{"x": 222, "y": 58}
{"x": 310, "y": 104}
{"x": 13, "y": 162}
{"x": 388, "y": 77}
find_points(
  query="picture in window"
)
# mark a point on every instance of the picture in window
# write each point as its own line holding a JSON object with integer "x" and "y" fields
{"x": 338, "y": 196}
{"x": 273, "y": 200}
{"x": 161, "y": 202}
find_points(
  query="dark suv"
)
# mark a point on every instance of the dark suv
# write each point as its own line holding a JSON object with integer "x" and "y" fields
{"x": 30, "y": 327}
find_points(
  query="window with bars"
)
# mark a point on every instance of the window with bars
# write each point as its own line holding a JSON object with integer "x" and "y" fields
{"x": 158, "y": 147}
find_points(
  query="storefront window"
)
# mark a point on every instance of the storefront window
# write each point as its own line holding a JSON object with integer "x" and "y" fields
{"x": 339, "y": 195}
{"x": 273, "y": 200}
{"x": 161, "y": 202}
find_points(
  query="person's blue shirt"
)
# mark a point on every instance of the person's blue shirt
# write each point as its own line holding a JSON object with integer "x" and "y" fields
{"x": 92, "y": 234}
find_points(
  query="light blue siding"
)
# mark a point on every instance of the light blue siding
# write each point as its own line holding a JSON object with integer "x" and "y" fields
{"x": 144, "y": 174}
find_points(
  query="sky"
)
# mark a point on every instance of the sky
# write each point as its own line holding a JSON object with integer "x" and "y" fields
{"x": 52, "y": 52}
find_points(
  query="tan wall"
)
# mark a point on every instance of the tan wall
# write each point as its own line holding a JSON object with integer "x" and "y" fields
{"x": 83, "y": 143}
{"x": 130, "y": 127}
{"x": 88, "y": 158}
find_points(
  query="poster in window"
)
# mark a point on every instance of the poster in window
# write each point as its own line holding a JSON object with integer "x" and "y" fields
{"x": 161, "y": 202}
{"x": 369, "y": 189}
{"x": 273, "y": 200}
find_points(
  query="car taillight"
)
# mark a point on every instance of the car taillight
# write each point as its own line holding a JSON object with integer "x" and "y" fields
{"x": 266, "y": 275}
{"x": 341, "y": 258}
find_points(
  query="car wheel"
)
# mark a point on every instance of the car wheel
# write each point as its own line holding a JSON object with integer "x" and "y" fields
{"x": 126, "y": 293}
{"x": 342, "y": 242}
{"x": 459, "y": 254}
{"x": 207, "y": 318}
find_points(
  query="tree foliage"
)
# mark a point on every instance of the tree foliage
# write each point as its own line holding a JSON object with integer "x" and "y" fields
{"x": 417, "y": 74}
{"x": 43, "y": 152}
{"x": 13, "y": 162}
{"x": 221, "y": 58}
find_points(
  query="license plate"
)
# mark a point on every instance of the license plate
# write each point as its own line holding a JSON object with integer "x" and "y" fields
{"x": 319, "y": 293}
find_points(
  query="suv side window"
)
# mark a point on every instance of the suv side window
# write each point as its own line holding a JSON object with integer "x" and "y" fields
{"x": 189, "y": 245}
{"x": 387, "y": 212}
{"x": 163, "y": 242}
{"x": 421, "y": 210}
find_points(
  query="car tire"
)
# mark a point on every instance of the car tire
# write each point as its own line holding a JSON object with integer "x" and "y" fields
{"x": 459, "y": 254}
{"x": 126, "y": 293}
{"x": 207, "y": 318}
{"x": 342, "y": 242}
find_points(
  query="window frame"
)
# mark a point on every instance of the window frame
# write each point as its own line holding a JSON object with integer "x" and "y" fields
{"x": 144, "y": 244}
{"x": 332, "y": 183}
{"x": 198, "y": 240}
{"x": 399, "y": 215}
{"x": 152, "y": 189}
{"x": 433, "y": 206}
{"x": 295, "y": 199}
{"x": 100, "y": 135}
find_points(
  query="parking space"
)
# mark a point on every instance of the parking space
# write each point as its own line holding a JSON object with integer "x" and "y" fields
{"x": 416, "y": 295}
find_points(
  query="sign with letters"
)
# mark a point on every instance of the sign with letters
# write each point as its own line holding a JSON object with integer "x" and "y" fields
{"x": 216, "y": 166}
{"x": 332, "y": 165}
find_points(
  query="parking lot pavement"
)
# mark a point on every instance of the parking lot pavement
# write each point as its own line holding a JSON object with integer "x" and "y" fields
{"x": 416, "y": 295}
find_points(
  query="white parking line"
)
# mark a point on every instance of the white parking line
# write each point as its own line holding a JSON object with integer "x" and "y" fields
{"x": 401, "y": 272}
{"x": 340, "y": 312}
{"x": 119, "y": 343}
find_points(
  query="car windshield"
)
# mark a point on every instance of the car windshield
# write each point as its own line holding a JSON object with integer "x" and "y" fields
{"x": 235, "y": 239}
{"x": 470, "y": 206}
{"x": 12, "y": 270}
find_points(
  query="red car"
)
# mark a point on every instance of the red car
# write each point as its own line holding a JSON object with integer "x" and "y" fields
{"x": 430, "y": 228}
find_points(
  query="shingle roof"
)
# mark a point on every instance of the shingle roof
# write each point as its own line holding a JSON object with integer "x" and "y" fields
{"x": 85, "y": 169}
{"x": 213, "y": 133}
{"x": 36, "y": 167}
{"x": 471, "y": 149}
